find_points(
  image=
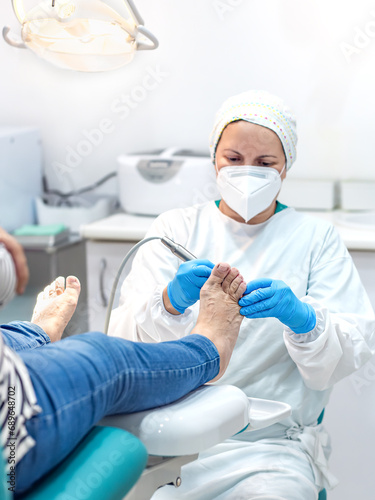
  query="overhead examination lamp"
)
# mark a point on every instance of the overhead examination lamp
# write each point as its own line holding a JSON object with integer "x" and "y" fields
{"x": 82, "y": 35}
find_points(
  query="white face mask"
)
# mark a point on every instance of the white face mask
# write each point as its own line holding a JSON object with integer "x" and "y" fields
{"x": 249, "y": 190}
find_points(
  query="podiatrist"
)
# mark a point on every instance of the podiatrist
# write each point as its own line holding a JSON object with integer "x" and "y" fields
{"x": 308, "y": 321}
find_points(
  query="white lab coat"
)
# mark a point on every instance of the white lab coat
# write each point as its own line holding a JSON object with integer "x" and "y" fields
{"x": 269, "y": 360}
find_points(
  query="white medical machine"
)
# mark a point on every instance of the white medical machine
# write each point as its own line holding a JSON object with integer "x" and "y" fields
{"x": 20, "y": 174}
{"x": 151, "y": 183}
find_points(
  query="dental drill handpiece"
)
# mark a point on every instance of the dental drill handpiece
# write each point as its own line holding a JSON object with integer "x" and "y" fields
{"x": 178, "y": 250}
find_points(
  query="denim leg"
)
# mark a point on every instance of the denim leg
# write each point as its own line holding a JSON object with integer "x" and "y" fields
{"x": 81, "y": 379}
{"x": 23, "y": 335}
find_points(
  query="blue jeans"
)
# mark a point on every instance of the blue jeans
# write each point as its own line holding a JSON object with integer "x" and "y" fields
{"x": 81, "y": 379}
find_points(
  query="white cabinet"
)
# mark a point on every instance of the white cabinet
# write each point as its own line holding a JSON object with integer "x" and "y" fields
{"x": 107, "y": 242}
{"x": 103, "y": 260}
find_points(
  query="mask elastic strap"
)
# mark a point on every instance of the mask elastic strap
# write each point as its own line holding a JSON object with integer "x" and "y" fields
{"x": 215, "y": 165}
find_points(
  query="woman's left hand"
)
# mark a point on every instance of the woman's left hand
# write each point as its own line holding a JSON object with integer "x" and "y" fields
{"x": 265, "y": 298}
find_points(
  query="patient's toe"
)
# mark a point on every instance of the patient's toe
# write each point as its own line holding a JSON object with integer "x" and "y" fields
{"x": 59, "y": 285}
{"x": 218, "y": 274}
{"x": 237, "y": 288}
{"x": 232, "y": 275}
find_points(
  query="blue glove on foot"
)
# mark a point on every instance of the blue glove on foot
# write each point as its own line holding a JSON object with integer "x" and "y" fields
{"x": 184, "y": 289}
{"x": 265, "y": 298}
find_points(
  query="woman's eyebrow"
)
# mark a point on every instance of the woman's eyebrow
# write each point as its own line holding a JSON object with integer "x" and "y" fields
{"x": 260, "y": 156}
{"x": 232, "y": 150}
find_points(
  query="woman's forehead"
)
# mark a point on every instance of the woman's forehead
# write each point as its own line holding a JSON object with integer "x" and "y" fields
{"x": 245, "y": 135}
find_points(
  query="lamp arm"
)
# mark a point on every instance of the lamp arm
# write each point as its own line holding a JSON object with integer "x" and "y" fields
{"x": 134, "y": 12}
{"x": 145, "y": 46}
{"x": 11, "y": 41}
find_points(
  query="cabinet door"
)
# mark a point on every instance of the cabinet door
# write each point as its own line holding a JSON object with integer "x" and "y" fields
{"x": 103, "y": 262}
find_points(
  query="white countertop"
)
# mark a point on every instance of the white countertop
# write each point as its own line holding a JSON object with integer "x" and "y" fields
{"x": 127, "y": 227}
{"x": 118, "y": 227}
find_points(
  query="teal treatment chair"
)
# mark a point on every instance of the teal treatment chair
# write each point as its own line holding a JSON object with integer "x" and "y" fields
{"x": 105, "y": 465}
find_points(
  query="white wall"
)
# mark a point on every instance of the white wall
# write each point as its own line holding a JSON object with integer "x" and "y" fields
{"x": 209, "y": 49}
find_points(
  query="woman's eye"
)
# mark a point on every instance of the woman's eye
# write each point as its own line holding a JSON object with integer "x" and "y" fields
{"x": 232, "y": 159}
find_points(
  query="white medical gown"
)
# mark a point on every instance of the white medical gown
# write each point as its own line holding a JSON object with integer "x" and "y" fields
{"x": 269, "y": 360}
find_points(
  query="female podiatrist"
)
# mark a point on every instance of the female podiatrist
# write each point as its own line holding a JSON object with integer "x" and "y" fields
{"x": 308, "y": 321}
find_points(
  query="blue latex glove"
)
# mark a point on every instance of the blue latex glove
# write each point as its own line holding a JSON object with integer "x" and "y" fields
{"x": 184, "y": 289}
{"x": 265, "y": 298}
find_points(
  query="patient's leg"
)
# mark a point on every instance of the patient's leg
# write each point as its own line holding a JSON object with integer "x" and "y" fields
{"x": 81, "y": 379}
{"x": 219, "y": 317}
{"x": 55, "y": 306}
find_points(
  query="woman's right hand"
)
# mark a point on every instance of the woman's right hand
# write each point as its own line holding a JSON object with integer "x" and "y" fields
{"x": 183, "y": 291}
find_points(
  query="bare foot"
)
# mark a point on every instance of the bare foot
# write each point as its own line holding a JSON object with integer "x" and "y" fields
{"x": 55, "y": 306}
{"x": 219, "y": 314}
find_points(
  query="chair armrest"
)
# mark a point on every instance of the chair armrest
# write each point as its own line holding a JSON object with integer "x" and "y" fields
{"x": 203, "y": 418}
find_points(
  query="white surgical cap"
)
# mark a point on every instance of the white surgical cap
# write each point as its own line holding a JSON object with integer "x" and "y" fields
{"x": 261, "y": 108}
